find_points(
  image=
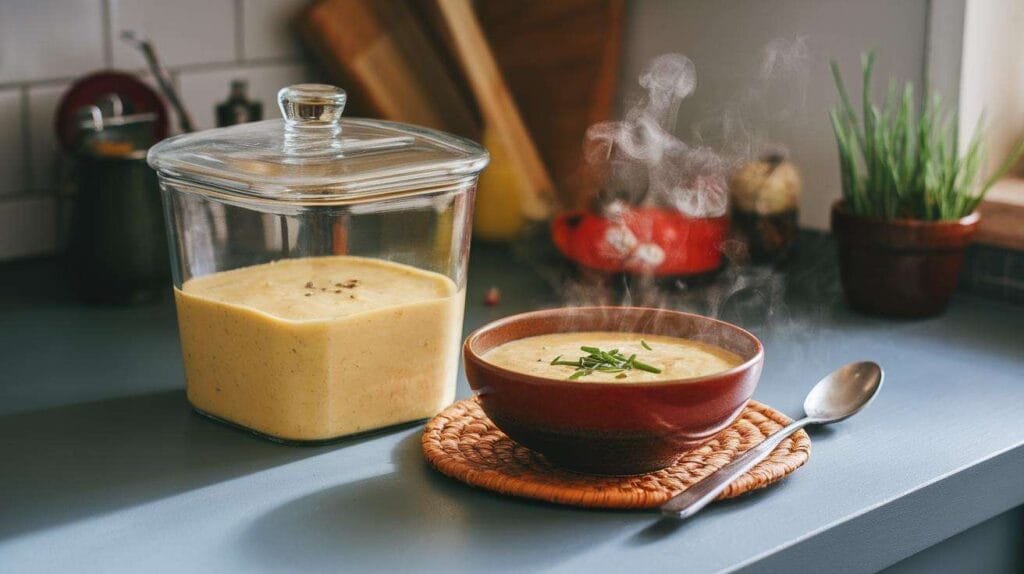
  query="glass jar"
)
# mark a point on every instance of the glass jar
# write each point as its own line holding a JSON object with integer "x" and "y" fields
{"x": 319, "y": 267}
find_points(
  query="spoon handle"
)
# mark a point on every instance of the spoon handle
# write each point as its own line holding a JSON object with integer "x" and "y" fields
{"x": 691, "y": 500}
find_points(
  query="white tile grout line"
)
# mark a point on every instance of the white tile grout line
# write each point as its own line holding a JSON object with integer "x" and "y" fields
{"x": 184, "y": 68}
{"x": 108, "y": 34}
{"x": 26, "y": 138}
{"x": 252, "y": 63}
{"x": 239, "y": 31}
{"x": 37, "y": 83}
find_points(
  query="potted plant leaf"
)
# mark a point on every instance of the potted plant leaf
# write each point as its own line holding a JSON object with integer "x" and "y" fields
{"x": 909, "y": 201}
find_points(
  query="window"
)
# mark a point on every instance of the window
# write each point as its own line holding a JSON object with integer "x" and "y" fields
{"x": 991, "y": 82}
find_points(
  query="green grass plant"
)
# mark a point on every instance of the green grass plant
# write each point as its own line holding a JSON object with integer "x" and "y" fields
{"x": 897, "y": 162}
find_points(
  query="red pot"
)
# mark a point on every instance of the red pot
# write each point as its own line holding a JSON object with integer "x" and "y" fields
{"x": 642, "y": 240}
{"x": 900, "y": 267}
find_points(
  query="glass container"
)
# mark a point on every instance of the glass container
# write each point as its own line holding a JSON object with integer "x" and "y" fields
{"x": 319, "y": 267}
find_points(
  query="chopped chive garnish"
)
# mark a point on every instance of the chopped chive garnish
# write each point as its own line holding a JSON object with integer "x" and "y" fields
{"x": 645, "y": 367}
{"x": 645, "y": 345}
{"x": 611, "y": 362}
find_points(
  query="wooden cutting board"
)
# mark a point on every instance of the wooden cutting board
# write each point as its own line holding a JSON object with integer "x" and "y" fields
{"x": 388, "y": 63}
{"x": 560, "y": 59}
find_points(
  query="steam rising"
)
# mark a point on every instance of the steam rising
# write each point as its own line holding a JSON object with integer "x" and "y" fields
{"x": 643, "y": 163}
{"x": 775, "y": 95}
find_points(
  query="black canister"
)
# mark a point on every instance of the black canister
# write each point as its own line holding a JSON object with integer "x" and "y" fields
{"x": 118, "y": 248}
{"x": 118, "y": 245}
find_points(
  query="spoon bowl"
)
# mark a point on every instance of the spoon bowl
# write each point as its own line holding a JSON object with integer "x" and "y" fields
{"x": 843, "y": 392}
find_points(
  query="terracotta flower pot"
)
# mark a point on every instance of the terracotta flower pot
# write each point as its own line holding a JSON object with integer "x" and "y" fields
{"x": 900, "y": 267}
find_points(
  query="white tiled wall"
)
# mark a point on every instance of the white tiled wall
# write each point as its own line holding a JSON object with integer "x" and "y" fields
{"x": 28, "y": 226}
{"x": 42, "y": 150}
{"x": 46, "y": 44}
{"x": 13, "y": 154}
{"x": 185, "y": 31}
{"x": 41, "y": 39}
{"x": 265, "y": 28}
{"x": 203, "y": 90}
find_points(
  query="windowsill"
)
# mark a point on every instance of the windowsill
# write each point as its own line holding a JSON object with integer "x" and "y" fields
{"x": 1002, "y": 215}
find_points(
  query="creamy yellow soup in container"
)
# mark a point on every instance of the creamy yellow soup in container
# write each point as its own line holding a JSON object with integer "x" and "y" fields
{"x": 317, "y": 348}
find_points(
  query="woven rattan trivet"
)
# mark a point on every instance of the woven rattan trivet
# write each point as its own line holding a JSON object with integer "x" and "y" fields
{"x": 464, "y": 444}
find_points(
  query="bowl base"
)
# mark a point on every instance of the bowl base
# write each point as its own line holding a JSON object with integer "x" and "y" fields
{"x": 589, "y": 465}
{"x": 610, "y": 454}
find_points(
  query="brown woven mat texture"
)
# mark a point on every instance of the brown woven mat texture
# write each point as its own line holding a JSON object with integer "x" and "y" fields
{"x": 464, "y": 444}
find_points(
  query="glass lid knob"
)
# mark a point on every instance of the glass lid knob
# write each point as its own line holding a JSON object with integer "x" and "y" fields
{"x": 311, "y": 105}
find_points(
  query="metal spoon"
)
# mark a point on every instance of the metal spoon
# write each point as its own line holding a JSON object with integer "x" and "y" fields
{"x": 836, "y": 397}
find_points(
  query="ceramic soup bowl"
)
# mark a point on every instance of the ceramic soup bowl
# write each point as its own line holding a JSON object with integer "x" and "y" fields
{"x": 611, "y": 427}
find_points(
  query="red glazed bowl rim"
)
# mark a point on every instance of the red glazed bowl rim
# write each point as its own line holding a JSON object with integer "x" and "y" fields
{"x": 470, "y": 353}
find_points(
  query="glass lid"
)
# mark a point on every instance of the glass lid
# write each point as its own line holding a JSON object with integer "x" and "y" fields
{"x": 315, "y": 156}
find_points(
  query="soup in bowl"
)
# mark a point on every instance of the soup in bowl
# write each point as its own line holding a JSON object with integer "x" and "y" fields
{"x": 612, "y": 390}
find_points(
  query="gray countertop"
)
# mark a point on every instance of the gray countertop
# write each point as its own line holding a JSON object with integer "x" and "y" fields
{"x": 105, "y": 468}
